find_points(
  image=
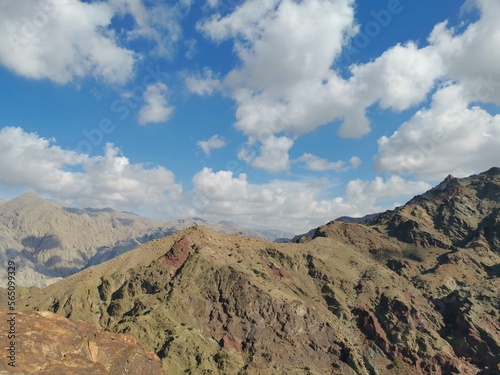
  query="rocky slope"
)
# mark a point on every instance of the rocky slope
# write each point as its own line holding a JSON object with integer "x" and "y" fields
{"x": 49, "y": 241}
{"x": 50, "y": 344}
{"x": 349, "y": 301}
{"x": 458, "y": 213}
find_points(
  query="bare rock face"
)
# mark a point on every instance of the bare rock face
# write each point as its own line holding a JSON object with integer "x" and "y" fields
{"x": 47, "y": 343}
{"x": 457, "y": 213}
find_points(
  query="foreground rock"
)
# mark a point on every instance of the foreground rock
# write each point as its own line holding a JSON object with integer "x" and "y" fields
{"x": 47, "y": 343}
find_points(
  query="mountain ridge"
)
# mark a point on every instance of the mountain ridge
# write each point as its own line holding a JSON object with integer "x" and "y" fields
{"x": 50, "y": 240}
{"x": 452, "y": 214}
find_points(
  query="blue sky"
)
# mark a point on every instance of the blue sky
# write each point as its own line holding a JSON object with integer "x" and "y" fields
{"x": 270, "y": 113}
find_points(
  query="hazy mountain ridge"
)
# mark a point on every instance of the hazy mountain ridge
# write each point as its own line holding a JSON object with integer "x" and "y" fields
{"x": 48, "y": 240}
{"x": 354, "y": 299}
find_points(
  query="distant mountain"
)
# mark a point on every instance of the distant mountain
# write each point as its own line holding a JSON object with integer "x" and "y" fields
{"x": 49, "y": 241}
{"x": 230, "y": 227}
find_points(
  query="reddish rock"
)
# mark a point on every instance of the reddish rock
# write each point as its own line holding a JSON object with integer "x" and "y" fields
{"x": 370, "y": 326}
{"x": 230, "y": 343}
{"x": 274, "y": 270}
{"x": 47, "y": 343}
{"x": 179, "y": 253}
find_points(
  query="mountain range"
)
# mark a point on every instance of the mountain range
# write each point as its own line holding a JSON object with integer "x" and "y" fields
{"x": 50, "y": 241}
{"x": 411, "y": 291}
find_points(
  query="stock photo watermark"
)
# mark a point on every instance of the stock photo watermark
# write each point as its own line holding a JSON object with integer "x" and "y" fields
{"x": 11, "y": 313}
{"x": 379, "y": 20}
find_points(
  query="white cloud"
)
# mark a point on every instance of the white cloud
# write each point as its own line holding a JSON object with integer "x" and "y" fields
{"x": 286, "y": 49}
{"x": 315, "y": 163}
{"x": 285, "y": 83}
{"x": 157, "y": 22}
{"x": 273, "y": 154}
{"x": 449, "y": 137}
{"x": 202, "y": 84}
{"x": 472, "y": 56}
{"x": 30, "y": 161}
{"x": 62, "y": 40}
{"x": 155, "y": 108}
{"x": 213, "y": 142}
{"x": 366, "y": 192}
{"x": 355, "y": 162}
{"x": 400, "y": 78}
{"x": 212, "y": 3}
{"x": 190, "y": 45}
{"x": 293, "y": 205}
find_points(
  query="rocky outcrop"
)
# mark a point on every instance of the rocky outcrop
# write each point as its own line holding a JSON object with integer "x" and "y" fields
{"x": 47, "y": 343}
{"x": 456, "y": 213}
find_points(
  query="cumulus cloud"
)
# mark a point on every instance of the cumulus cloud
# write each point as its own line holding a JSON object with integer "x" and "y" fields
{"x": 292, "y": 205}
{"x": 111, "y": 179}
{"x": 285, "y": 83}
{"x": 30, "y": 161}
{"x": 202, "y": 84}
{"x": 355, "y": 162}
{"x": 286, "y": 49}
{"x": 157, "y": 22}
{"x": 400, "y": 78}
{"x": 155, "y": 108}
{"x": 214, "y": 142}
{"x": 273, "y": 155}
{"x": 366, "y": 192}
{"x": 472, "y": 56}
{"x": 62, "y": 40}
{"x": 315, "y": 163}
{"x": 449, "y": 137}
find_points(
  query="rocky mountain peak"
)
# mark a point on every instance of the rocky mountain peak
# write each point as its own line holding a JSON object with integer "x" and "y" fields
{"x": 459, "y": 212}
{"x": 27, "y": 200}
{"x": 494, "y": 171}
